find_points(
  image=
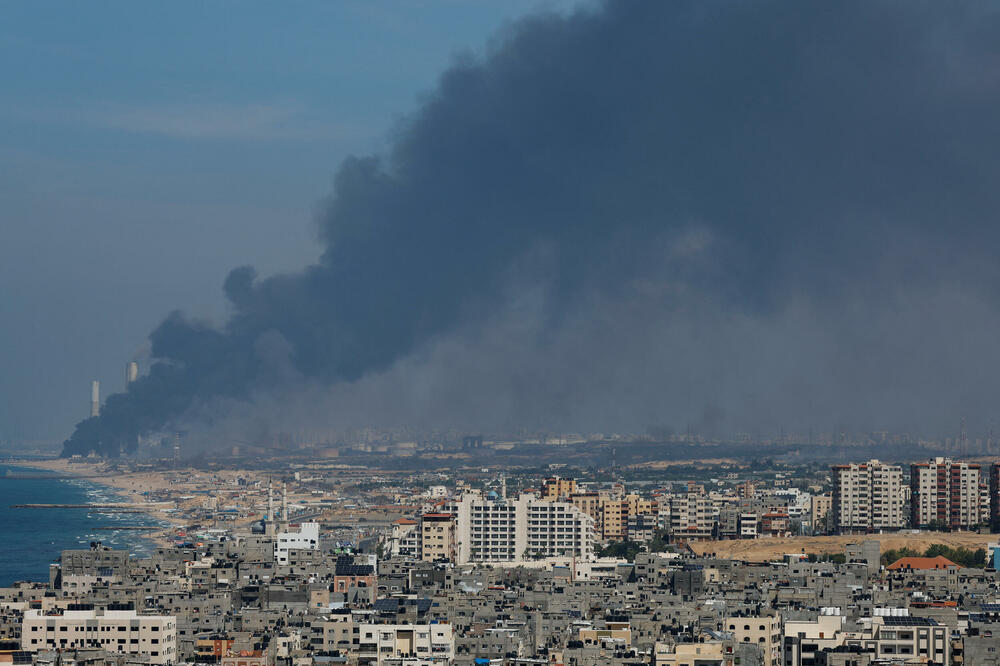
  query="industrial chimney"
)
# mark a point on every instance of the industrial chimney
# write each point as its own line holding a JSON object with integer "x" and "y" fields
{"x": 95, "y": 398}
{"x": 131, "y": 373}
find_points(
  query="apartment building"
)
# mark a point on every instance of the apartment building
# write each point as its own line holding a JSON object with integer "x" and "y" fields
{"x": 307, "y": 538}
{"x": 762, "y": 631}
{"x": 868, "y": 497}
{"x": 946, "y": 493}
{"x": 523, "y": 528}
{"x": 907, "y": 639}
{"x": 690, "y": 515}
{"x": 381, "y": 644}
{"x": 590, "y": 503}
{"x": 805, "y": 638}
{"x": 404, "y": 539}
{"x": 708, "y": 653}
{"x": 556, "y": 488}
{"x": 614, "y": 519}
{"x": 123, "y": 632}
{"x": 437, "y": 537}
{"x": 820, "y": 507}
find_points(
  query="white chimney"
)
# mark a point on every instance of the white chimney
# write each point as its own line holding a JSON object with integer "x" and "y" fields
{"x": 95, "y": 398}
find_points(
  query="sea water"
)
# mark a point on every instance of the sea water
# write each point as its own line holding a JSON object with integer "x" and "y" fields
{"x": 31, "y": 539}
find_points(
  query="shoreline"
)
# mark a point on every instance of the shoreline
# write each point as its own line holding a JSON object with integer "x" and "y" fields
{"x": 128, "y": 486}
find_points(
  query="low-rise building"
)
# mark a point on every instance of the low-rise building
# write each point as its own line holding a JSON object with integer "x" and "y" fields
{"x": 123, "y": 632}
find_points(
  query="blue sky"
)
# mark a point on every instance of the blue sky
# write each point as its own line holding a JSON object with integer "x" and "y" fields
{"x": 148, "y": 148}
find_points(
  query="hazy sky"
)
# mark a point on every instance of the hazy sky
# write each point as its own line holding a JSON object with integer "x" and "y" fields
{"x": 147, "y": 149}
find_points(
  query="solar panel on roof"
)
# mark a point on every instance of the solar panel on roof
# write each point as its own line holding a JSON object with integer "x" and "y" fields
{"x": 894, "y": 621}
{"x": 387, "y": 605}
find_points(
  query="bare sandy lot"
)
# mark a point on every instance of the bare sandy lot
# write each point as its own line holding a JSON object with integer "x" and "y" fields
{"x": 767, "y": 549}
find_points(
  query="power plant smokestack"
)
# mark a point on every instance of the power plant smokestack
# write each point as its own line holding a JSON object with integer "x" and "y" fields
{"x": 95, "y": 398}
{"x": 131, "y": 373}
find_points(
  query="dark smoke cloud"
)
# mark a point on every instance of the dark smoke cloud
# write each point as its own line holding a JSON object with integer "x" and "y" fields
{"x": 726, "y": 214}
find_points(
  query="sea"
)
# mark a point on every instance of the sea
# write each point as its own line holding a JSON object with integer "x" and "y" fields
{"x": 31, "y": 539}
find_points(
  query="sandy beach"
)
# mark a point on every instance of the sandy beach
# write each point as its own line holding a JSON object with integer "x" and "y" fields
{"x": 128, "y": 486}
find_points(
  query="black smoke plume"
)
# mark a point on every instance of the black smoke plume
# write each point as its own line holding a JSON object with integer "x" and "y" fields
{"x": 741, "y": 213}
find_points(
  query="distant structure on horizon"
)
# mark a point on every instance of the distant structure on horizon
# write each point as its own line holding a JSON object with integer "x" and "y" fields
{"x": 95, "y": 398}
{"x": 131, "y": 373}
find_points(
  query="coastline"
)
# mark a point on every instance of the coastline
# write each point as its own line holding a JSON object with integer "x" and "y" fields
{"x": 128, "y": 486}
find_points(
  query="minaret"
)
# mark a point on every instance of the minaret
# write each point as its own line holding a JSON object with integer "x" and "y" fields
{"x": 270, "y": 509}
{"x": 284, "y": 506}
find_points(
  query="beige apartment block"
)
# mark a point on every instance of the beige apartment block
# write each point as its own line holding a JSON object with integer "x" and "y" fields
{"x": 764, "y": 632}
{"x": 868, "y": 497}
{"x": 122, "y": 632}
{"x": 388, "y": 643}
{"x": 437, "y": 537}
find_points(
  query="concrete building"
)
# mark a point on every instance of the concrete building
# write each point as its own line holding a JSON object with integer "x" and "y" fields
{"x": 803, "y": 639}
{"x": 908, "y": 639}
{"x": 764, "y": 632}
{"x": 307, "y": 538}
{"x": 867, "y": 552}
{"x": 708, "y": 653}
{"x": 404, "y": 539}
{"x": 820, "y": 507}
{"x": 555, "y": 488}
{"x": 590, "y": 504}
{"x": 516, "y": 529}
{"x": 614, "y": 520}
{"x": 415, "y": 643}
{"x": 123, "y": 632}
{"x": 437, "y": 537}
{"x": 946, "y": 493}
{"x": 868, "y": 497}
{"x": 995, "y": 496}
{"x": 689, "y": 515}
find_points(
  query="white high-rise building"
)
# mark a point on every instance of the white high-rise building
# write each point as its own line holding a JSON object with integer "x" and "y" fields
{"x": 517, "y": 529}
{"x": 868, "y": 496}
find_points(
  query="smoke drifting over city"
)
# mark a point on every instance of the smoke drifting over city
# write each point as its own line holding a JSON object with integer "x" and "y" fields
{"x": 719, "y": 215}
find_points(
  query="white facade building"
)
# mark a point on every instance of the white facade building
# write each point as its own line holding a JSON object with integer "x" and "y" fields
{"x": 307, "y": 538}
{"x": 517, "y": 529}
